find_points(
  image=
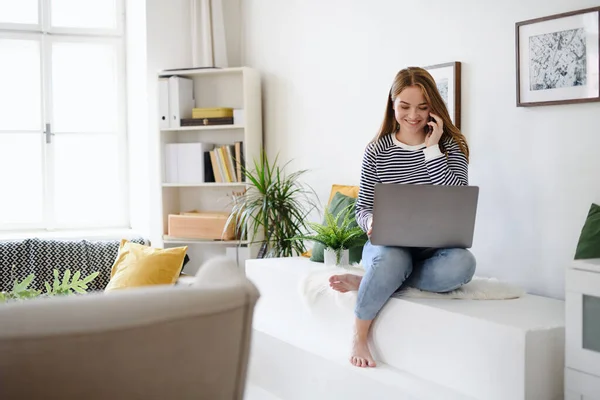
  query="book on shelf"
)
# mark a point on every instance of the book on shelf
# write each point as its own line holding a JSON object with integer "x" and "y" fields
{"x": 225, "y": 163}
{"x": 209, "y": 175}
{"x": 215, "y": 167}
{"x": 239, "y": 161}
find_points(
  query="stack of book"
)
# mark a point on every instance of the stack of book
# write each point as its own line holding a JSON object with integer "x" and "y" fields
{"x": 209, "y": 116}
{"x": 226, "y": 162}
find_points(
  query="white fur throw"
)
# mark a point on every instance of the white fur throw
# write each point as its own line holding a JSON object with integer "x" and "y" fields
{"x": 316, "y": 284}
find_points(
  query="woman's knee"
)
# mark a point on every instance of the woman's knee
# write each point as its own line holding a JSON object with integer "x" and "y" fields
{"x": 387, "y": 260}
{"x": 464, "y": 263}
{"x": 458, "y": 269}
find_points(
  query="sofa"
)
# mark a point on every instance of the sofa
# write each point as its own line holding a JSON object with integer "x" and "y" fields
{"x": 19, "y": 258}
{"x": 160, "y": 342}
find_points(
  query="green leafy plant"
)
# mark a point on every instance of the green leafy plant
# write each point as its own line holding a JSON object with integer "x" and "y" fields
{"x": 20, "y": 290}
{"x": 337, "y": 233}
{"x": 68, "y": 284}
{"x": 275, "y": 205}
{"x": 60, "y": 286}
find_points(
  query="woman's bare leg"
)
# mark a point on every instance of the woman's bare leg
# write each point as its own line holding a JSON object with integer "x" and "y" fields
{"x": 361, "y": 355}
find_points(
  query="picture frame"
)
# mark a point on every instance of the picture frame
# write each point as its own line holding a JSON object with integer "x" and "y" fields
{"x": 447, "y": 79}
{"x": 557, "y": 59}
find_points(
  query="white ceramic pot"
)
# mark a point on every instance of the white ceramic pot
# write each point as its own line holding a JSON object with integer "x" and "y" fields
{"x": 331, "y": 259}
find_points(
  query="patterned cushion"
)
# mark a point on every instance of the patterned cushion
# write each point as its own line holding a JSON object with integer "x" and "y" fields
{"x": 41, "y": 257}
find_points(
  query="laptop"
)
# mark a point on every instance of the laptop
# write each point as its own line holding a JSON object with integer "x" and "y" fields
{"x": 437, "y": 216}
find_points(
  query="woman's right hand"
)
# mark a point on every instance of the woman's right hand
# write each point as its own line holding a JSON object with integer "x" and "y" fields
{"x": 370, "y": 227}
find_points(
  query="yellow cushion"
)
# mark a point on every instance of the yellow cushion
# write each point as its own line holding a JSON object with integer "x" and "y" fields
{"x": 139, "y": 265}
{"x": 350, "y": 191}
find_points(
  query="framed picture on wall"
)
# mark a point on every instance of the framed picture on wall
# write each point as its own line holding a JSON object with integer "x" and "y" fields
{"x": 557, "y": 59}
{"x": 447, "y": 79}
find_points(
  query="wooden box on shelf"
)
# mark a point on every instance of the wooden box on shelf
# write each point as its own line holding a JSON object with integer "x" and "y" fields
{"x": 200, "y": 225}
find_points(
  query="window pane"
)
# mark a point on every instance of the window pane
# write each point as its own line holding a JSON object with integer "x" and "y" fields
{"x": 84, "y": 80}
{"x": 19, "y": 12}
{"x": 87, "y": 187}
{"x": 84, "y": 14}
{"x": 20, "y": 96}
{"x": 21, "y": 179}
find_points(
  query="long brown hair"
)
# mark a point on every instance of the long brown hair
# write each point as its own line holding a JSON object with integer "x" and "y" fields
{"x": 415, "y": 76}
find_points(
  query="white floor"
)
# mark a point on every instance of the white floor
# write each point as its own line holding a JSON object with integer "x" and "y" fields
{"x": 254, "y": 392}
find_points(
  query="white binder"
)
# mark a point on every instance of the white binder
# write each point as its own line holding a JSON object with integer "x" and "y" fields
{"x": 184, "y": 162}
{"x": 190, "y": 162}
{"x": 163, "y": 103}
{"x": 181, "y": 99}
{"x": 171, "y": 160}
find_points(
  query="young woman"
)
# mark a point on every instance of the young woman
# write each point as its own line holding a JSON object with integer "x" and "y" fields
{"x": 416, "y": 144}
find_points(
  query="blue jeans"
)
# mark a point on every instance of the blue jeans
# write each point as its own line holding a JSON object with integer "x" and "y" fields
{"x": 388, "y": 268}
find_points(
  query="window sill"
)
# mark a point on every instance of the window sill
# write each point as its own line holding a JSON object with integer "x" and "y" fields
{"x": 92, "y": 234}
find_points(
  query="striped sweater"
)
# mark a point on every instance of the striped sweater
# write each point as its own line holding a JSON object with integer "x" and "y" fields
{"x": 391, "y": 161}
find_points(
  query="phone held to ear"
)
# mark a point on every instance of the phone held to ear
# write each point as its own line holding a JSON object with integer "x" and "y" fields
{"x": 428, "y": 128}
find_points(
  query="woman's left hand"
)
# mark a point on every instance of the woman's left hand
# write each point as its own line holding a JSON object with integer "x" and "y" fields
{"x": 437, "y": 126}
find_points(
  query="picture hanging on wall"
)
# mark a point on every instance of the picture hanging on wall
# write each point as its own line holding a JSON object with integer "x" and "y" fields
{"x": 557, "y": 59}
{"x": 447, "y": 79}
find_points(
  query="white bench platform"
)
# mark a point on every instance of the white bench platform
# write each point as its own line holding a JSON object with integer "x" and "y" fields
{"x": 425, "y": 348}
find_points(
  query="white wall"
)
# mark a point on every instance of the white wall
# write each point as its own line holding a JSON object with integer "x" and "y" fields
{"x": 137, "y": 117}
{"x": 327, "y": 68}
{"x": 169, "y": 46}
{"x": 158, "y": 38}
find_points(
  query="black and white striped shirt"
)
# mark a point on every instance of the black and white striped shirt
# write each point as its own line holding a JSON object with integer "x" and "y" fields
{"x": 391, "y": 161}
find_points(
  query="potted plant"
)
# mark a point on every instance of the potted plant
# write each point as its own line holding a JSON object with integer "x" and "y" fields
{"x": 274, "y": 206}
{"x": 338, "y": 235}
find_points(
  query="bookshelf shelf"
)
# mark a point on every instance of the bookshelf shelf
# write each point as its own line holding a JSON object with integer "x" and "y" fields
{"x": 236, "y": 88}
{"x": 203, "y": 184}
{"x": 175, "y": 240}
{"x": 192, "y": 72}
{"x": 203, "y": 128}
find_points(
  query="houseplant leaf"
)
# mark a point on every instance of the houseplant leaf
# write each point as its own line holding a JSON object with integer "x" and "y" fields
{"x": 276, "y": 206}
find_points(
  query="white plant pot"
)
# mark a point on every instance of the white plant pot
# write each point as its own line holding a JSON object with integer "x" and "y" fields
{"x": 331, "y": 261}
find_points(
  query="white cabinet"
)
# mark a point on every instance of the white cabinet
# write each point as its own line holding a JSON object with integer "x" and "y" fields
{"x": 581, "y": 386}
{"x": 237, "y": 88}
{"x": 582, "y": 301}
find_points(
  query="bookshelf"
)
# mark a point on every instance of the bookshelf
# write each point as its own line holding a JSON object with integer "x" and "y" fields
{"x": 237, "y": 88}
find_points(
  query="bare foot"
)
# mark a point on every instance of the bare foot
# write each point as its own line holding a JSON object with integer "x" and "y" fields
{"x": 345, "y": 283}
{"x": 361, "y": 356}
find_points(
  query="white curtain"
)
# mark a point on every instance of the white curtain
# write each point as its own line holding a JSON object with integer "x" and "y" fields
{"x": 215, "y": 33}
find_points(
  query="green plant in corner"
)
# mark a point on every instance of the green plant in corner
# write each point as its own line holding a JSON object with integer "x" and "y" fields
{"x": 337, "y": 233}
{"x": 275, "y": 205}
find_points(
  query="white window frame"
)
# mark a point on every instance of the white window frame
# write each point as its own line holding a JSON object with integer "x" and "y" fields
{"x": 46, "y": 37}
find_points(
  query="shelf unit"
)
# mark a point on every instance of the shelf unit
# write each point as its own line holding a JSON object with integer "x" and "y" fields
{"x": 238, "y": 88}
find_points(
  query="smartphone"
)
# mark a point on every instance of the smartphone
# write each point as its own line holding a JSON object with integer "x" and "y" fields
{"x": 428, "y": 128}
